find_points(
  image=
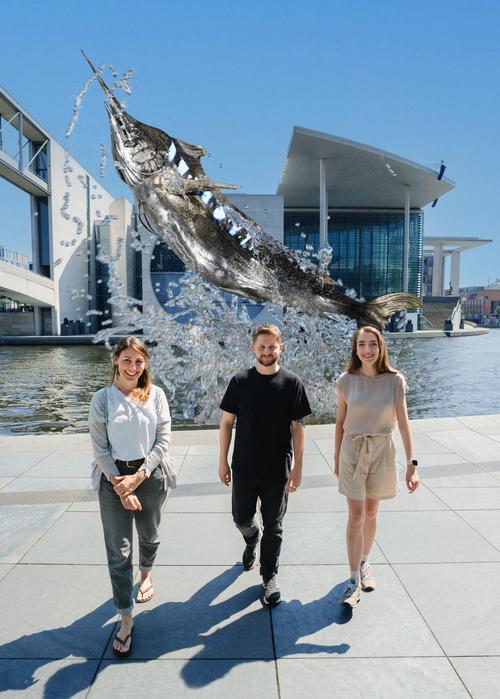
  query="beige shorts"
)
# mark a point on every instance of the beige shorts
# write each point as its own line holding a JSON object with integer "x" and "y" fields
{"x": 367, "y": 467}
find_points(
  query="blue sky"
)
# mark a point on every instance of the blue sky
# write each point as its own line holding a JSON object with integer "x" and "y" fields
{"x": 417, "y": 79}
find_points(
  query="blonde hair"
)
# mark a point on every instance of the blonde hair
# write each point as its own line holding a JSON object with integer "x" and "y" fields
{"x": 382, "y": 364}
{"x": 266, "y": 329}
{"x": 144, "y": 382}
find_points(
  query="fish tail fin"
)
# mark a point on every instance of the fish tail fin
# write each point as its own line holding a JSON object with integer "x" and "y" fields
{"x": 378, "y": 311}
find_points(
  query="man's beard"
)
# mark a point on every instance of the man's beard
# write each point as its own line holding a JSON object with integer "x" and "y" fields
{"x": 267, "y": 362}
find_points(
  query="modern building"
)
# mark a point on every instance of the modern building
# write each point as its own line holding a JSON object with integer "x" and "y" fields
{"x": 436, "y": 250}
{"x": 365, "y": 203}
{"x": 69, "y": 209}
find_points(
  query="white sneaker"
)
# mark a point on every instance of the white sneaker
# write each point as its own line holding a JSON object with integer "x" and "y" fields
{"x": 272, "y": 594}
{"x": 367, "y": 579}
{"x": 352, "y": 595}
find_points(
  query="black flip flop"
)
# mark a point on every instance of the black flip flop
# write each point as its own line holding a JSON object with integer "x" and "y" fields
{"x": 123, "y": 642}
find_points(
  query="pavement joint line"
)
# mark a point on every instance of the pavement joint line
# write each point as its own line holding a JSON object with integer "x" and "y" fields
{"x": 459, "y": 678}
{"x": 414, "y": 604}
{"x": 457, "y": 512}
{"x": 273, "y": 640}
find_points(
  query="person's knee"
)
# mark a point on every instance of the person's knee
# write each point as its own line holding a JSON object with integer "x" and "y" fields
{"x": 356, "y": 518}
{"x": 371, "y": 513}
{"x": 243, "y": 523}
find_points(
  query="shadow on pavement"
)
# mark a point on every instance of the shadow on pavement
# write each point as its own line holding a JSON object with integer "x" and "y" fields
{"x": 198, "y": 626}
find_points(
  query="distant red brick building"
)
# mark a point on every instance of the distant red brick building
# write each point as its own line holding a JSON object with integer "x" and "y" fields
{"x": 480, "y": 302}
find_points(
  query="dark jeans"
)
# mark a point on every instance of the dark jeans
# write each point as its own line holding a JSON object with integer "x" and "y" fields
{"x": 273, "y": 498}
{"x": 117, "y": 523}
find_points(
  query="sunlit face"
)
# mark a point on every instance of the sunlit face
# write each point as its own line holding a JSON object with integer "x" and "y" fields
{"x": 130, "y": 363}
{"x": 367, "y": 347}
{"x": 267, "y": 349}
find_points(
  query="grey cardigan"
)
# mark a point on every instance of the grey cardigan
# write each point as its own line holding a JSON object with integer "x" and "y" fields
{"x": 103, "y": 461}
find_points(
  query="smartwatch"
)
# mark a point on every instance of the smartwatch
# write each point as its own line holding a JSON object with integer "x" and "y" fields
{"x": 412, "y": 462}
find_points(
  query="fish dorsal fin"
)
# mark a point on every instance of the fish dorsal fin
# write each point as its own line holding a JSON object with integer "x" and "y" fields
{"x": 190, "y": 149}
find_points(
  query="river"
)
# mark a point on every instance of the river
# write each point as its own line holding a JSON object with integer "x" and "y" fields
{"x": 48, "y": 389}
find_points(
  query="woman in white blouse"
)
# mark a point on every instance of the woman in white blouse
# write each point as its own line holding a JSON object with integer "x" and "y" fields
{"x": 371, "y": 398}
{"x": 129, "y": 424}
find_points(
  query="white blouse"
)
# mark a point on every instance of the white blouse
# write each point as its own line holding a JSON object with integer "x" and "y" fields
{"x": 131, "y": 425}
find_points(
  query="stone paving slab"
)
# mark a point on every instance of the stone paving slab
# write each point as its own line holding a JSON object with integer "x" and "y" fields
{"x": 55, "y": 612}
{"x": 460, "y": 603}
{"x": 42, "y": 485}
{"x": 199, "y": 539}
{"x": 317, "y": 538}
{"x": 206, "y": 679}
{"x": 50, "y": 679}
{"x": 387, "y": 678}
{"x": 486, "y": 522}
{"x": 481, "y": 676}
{"x": 469, "y": 445}
{"x": 459, "y": 475}
{"x": 470, "y": 498}
{"x": 430, "y": 537}
{"x": 22, "y": 525}
{"x": 62, "y": 464}
{"x": 14, "y": 464}
{"x": 312, "y": 622}
{"x": 76, "y": 538}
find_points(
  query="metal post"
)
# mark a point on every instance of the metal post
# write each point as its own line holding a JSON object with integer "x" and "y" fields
{"x": 323, "y": 205}
{"x": 406, "y": 237}
{"x": 20, "y": 127}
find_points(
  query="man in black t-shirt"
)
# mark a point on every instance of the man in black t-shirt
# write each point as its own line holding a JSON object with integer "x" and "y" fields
{"x": 269, "y": 404}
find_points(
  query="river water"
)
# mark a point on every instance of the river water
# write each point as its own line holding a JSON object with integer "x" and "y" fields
{"x": 48, "y": 389}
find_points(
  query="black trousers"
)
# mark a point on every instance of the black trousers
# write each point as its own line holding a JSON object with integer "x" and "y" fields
{"x": 273, "y": 497}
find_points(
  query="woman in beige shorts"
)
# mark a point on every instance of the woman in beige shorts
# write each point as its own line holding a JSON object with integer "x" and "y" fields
{"x": 371, "y": 400}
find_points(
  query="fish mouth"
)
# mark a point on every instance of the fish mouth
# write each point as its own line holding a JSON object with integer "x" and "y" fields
{"x": 125, "y": 136}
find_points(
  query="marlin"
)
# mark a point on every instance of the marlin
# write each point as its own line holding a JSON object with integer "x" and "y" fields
{"x": 181, "y": 204}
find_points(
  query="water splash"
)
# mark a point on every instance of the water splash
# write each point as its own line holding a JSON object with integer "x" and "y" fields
{"x": 102, "y": 160}
{"x": 77, "y": 105}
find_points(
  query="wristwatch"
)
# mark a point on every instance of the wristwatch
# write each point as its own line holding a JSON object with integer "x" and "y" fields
{"x": 412, "y": 462}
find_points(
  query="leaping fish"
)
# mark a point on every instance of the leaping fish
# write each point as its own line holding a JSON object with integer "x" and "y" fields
{"x": 179, "y": 202}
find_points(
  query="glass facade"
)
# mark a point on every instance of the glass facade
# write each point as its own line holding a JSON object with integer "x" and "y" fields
{"x": 367, "y": 247}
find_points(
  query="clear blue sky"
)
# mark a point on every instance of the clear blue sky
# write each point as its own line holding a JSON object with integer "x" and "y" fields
{"x": 418, "y": 79}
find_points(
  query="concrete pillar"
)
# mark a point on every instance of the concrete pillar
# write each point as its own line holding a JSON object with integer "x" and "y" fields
{"x": 406, "y": 237}
{"x": 455, "y": 273}
{"x": 323, "y": 205}
{"x": 437, "y": 271}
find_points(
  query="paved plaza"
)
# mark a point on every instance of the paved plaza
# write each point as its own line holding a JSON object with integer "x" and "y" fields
{"x": 430, "y": 629}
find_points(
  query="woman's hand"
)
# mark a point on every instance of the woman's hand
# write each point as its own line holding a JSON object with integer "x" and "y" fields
{"x": 125, "y": 485}
{"x": 412, "y": 478}
{"x": 131, "y": 502}
{"x": 336, "y": 467}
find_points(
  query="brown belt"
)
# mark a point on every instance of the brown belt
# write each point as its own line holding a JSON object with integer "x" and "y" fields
{"x": 129, "y": 466}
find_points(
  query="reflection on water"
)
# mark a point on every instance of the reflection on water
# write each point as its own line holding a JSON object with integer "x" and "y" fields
{"x": 48, "y": 389}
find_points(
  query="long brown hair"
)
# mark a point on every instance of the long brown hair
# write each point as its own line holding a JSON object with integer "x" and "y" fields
{"x": 382, "y": 365}
{"x": 144, "y": 382}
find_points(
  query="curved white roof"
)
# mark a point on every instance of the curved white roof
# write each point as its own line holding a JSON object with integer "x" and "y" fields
{"x": 357, "y": 175}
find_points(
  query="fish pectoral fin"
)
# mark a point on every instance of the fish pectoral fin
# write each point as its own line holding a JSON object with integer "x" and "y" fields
{"x": 204, "y": 184}
{"x": 191, "y": 149}
{"x": 221, "y": 185}
{"x": 326, "y": 279}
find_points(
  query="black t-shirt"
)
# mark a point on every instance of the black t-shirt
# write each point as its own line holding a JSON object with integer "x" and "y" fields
{"x": 264, "y": 405}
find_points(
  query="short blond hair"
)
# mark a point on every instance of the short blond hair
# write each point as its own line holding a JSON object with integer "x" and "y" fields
{"x": 266, "y": 329}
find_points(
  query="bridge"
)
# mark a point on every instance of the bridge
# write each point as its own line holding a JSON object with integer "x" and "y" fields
{"x": 26, "y": 286}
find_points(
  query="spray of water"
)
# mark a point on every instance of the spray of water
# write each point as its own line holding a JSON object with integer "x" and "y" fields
{"x": 203, "y": 340}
